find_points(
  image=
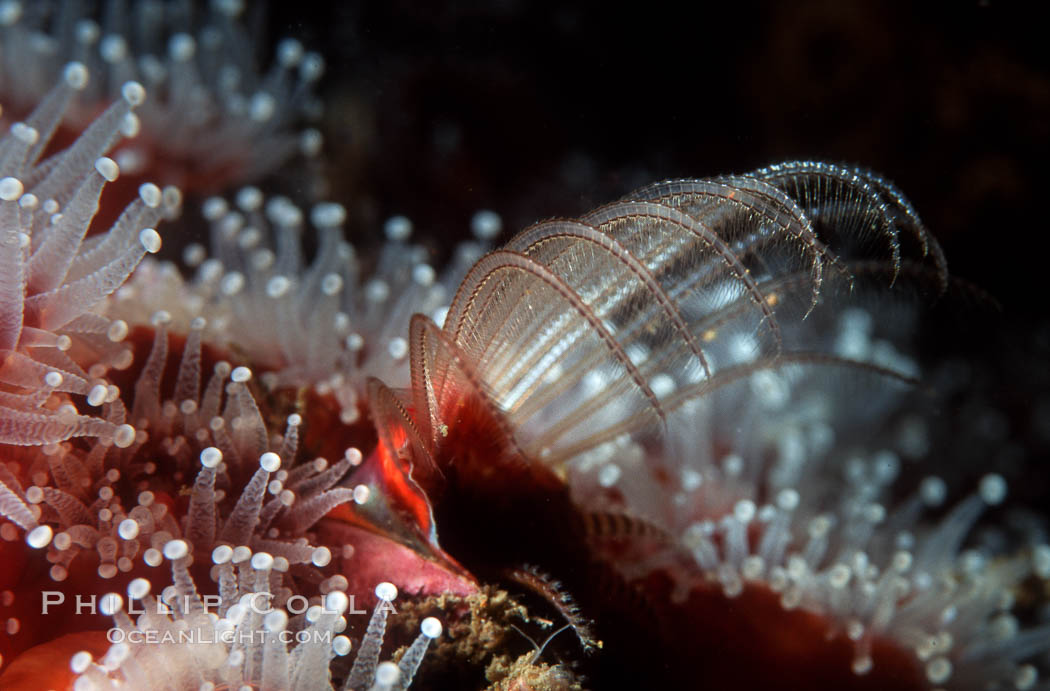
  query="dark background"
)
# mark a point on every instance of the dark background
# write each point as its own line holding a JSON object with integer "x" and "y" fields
{"x": 536, "y": 109}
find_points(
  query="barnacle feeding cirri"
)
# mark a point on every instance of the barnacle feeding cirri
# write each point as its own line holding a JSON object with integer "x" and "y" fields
{"x": 676, "y": 441}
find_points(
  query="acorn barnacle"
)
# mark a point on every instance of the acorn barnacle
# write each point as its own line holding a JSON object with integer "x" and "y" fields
{"x": 686, "y": 395}
{"x": 693, "y": 423}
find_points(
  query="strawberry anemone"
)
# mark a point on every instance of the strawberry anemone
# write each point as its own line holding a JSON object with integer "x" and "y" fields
{"x": 206, "y": 487}
{"x": 215, "y": 119}
{"x": 177, "y": 461}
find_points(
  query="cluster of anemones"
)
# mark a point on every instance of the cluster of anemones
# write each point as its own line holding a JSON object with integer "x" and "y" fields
{"x": 106, "y": 474}
{"x": 828, "y": 526}
{"x": 213, "y": 118}
{"x": 328, "y": 325}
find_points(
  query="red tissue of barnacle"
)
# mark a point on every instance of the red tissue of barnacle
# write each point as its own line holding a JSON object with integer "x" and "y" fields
{"x": 375, "y": 558}
{"x": 391, "y": 531}
{"x": 394, "y": 513}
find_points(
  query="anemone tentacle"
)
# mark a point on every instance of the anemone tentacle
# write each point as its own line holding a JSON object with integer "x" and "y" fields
{"x": 54, "y": 343}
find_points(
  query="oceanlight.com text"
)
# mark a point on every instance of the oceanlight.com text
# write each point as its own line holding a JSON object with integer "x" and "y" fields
{"x": 208, "y": 635}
